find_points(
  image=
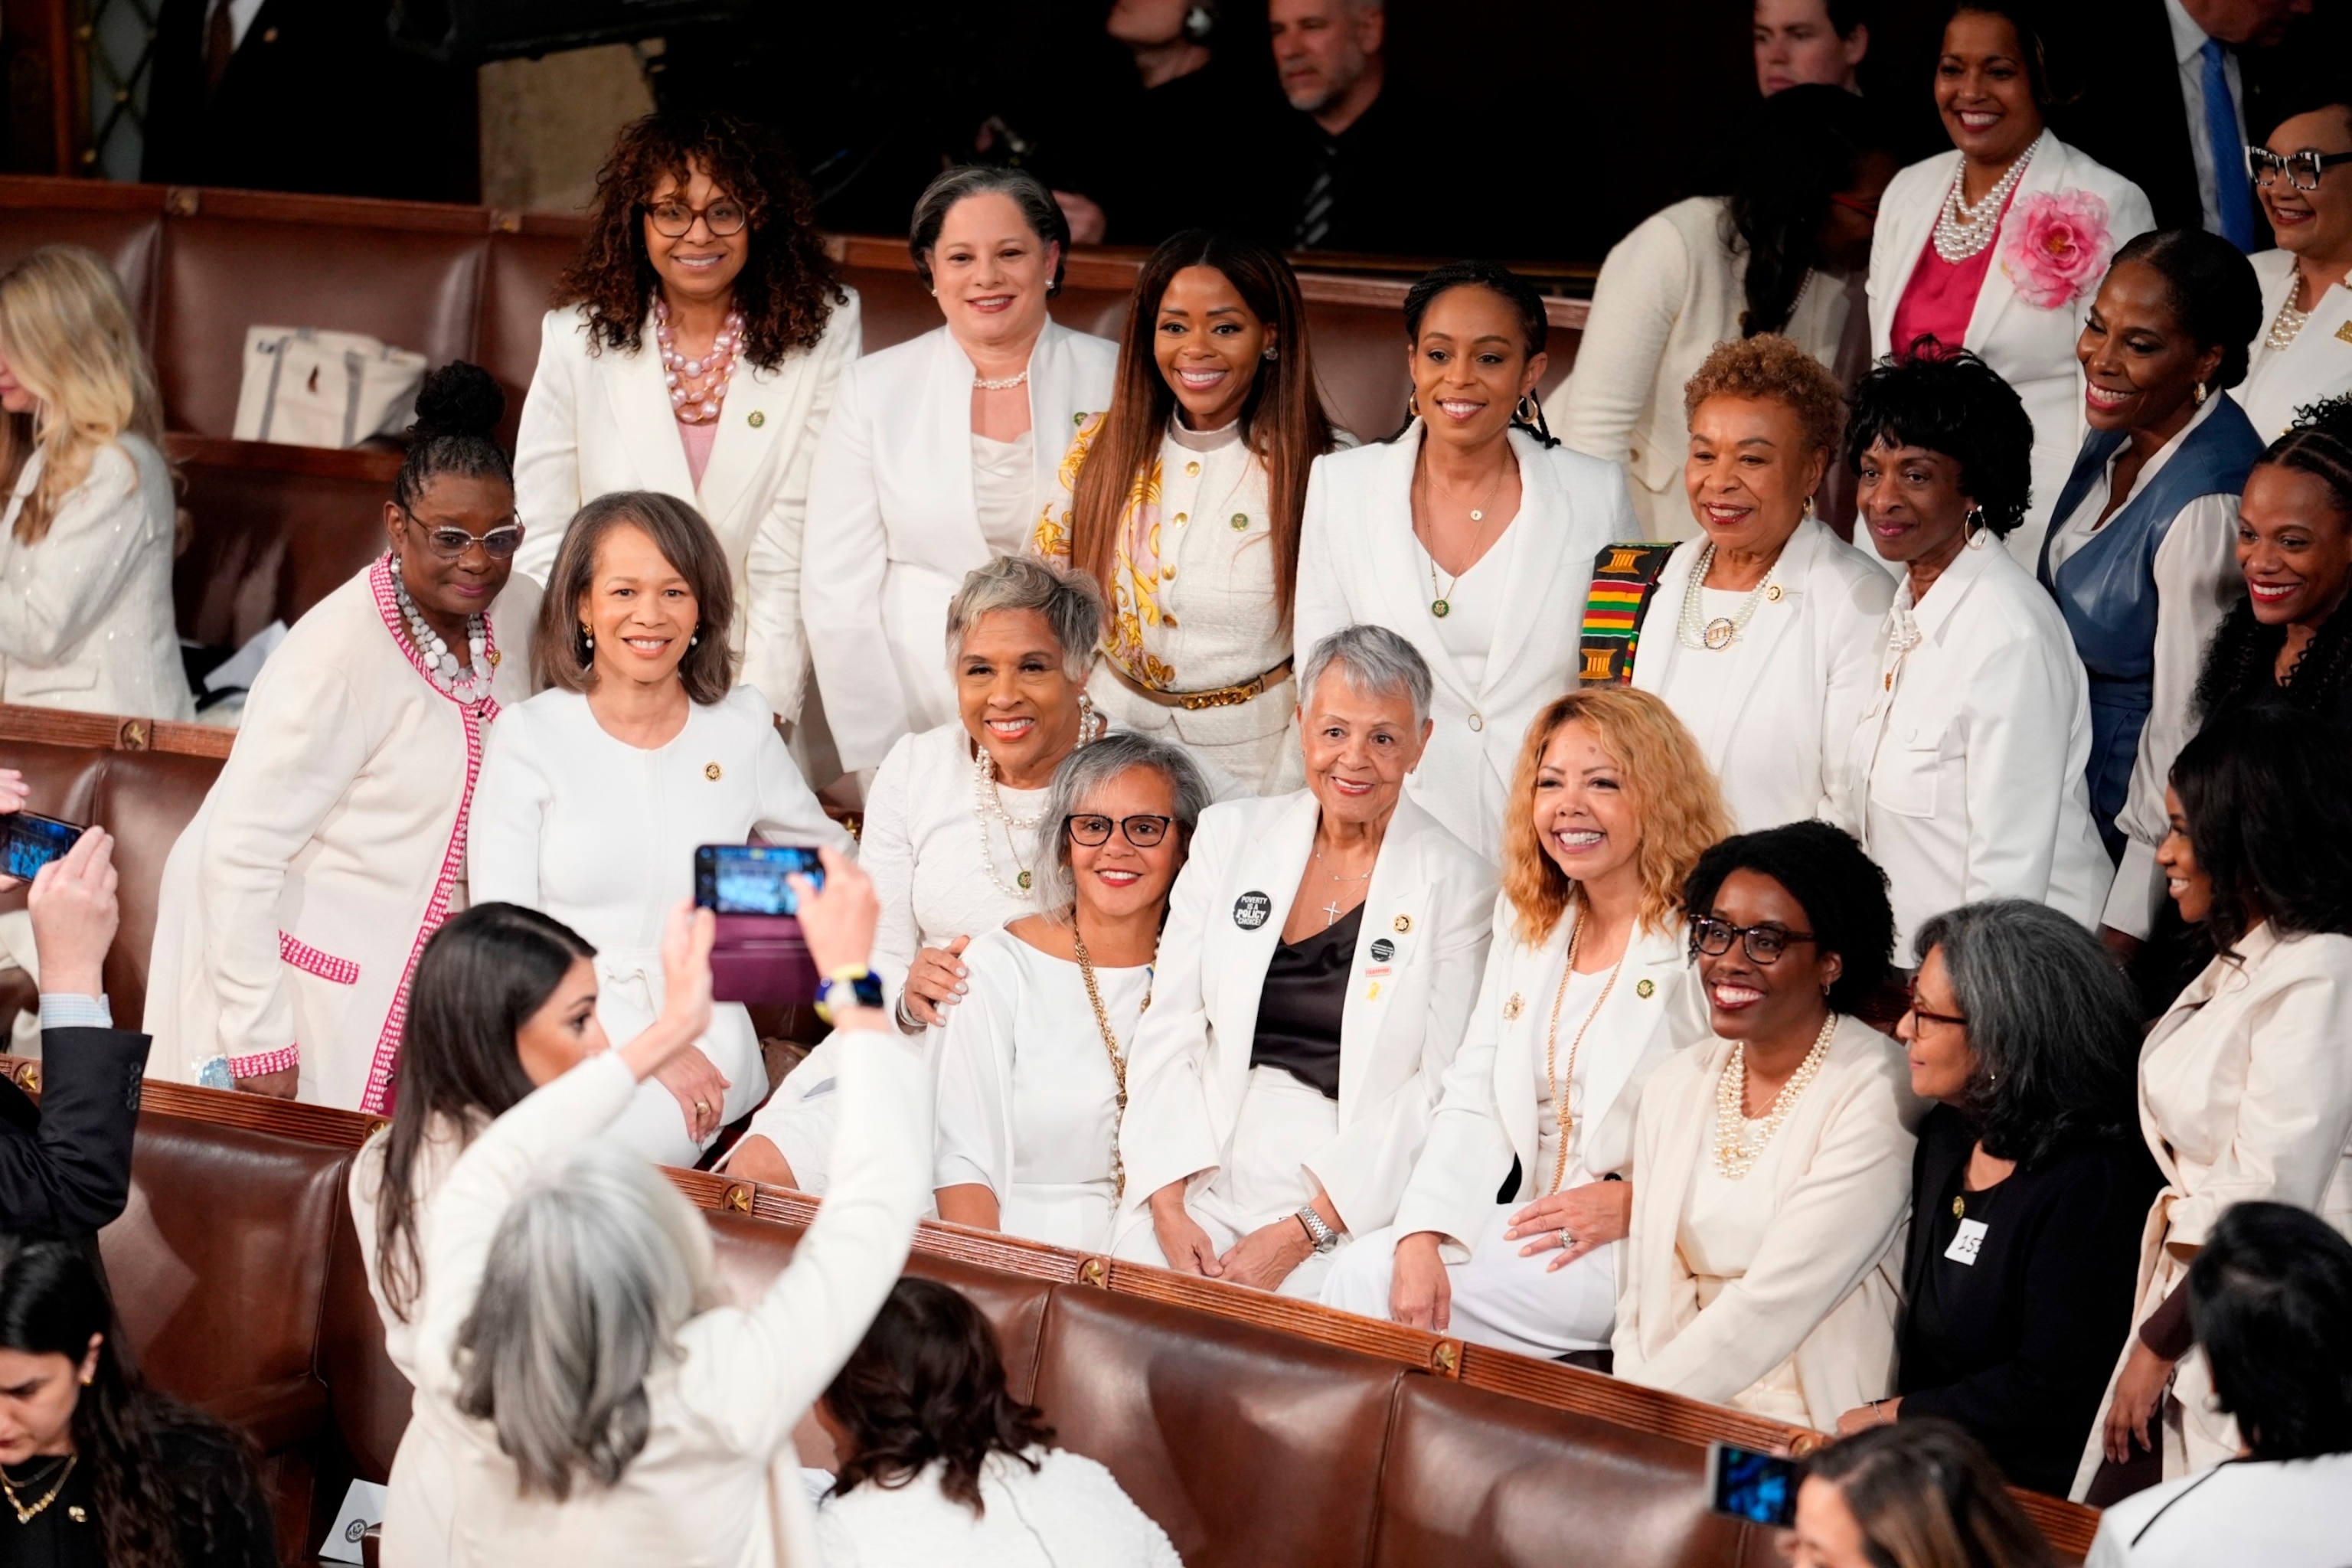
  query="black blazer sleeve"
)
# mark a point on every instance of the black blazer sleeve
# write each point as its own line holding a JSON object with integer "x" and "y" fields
{"x": 69, "y": 1173}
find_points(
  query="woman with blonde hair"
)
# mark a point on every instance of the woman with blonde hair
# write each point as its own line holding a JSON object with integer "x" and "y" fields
{"x": 86, "y": 543}
{"x": 1587, "y": 990}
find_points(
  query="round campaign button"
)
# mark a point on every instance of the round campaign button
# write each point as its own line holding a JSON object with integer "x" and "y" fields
{"x": 1383, "y": 949}
{"x": 1251, "y": 910}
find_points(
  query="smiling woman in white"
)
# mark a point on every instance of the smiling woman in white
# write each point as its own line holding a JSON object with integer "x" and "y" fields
{"x": 597, "y": 791}
{"x": 1471, "y": 535}
{"x": 1320, "y": 959}
{"x": 2302, "y": 355}
{"x": 1588, "y": 990}
{"x": 694, "y": 352}
{"x": 86, "y": 614}
{"x": 942, "y": 452}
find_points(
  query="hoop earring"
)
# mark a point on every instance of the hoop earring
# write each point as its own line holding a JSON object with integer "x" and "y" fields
{"x": 1527, "y": 410}
{"x": 1412, "y": 404}
{"x": 2201, "y": 393}
{"x": 1973, "y": 532}
{"x": 1810, "y": 512}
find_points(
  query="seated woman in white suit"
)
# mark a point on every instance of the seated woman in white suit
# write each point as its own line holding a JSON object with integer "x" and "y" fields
{"x": 1770, "y": 1162}
{"x": 295, "y": 904}
{"x": 1471, "y": 535}
{"x": 1589, "y": 988}
{"x": 942, "y": 452}
{"x": 1783, "y": 252}
{"x": 694, "y": 350}
{"x": 1966, "y": 250}
{"x": 86, "y": 546}
{"x": 1966, "y": 772}
{"x": 2304, "y": 177}
{"x": 657, "y": 1443}
{"x": 1763, "y": 633}
{"x": 1320, "y": 960}
{"x": 597, "y": 791}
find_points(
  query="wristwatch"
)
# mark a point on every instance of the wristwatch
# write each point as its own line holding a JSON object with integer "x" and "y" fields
{"x": 1324, "y": 1237}
{"x": 854, "y": 985}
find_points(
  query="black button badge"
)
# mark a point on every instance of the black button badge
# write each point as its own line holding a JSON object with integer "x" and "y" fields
{"x": 1251, "y": 910}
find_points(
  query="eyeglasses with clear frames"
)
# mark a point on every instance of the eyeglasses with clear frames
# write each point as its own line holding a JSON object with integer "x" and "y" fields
{"x": 673, "y": 220}
{"x": 1090, "y": 829}
{"x": 451, "y": 543}
{"x": 2303, "y": 170}
{"x": 1765, "y": 944}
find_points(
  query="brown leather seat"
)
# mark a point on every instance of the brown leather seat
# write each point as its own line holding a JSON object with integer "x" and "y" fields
{"x": 144, "y": 799}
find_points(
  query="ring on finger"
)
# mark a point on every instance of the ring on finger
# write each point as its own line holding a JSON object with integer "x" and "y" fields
{"x": 1567, "y": 1242}
{"x": 702, "y": 1108}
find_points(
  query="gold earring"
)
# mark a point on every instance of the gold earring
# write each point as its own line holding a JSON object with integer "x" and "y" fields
{"x": 2201, "y": 391}
{"x": 1412, "y": 404}
{"x": 1529, "y": 410}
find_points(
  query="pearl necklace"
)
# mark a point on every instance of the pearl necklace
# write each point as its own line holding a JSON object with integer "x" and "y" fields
{"x": 1723, "y": 630}
{"x": 1735, "y": 1152}
{"x": 1962, "y": 230}
{"x": 988, "y": 800}
{"x": 698, "y": 387}
{"x": 1002, "y": 384}
{"x": 467, "y": 684}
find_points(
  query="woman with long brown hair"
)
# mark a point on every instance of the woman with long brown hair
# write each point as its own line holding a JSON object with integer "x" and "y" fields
{"x": 1184, "y": 501}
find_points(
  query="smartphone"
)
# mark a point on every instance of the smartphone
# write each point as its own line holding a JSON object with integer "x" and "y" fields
{"x": 1748, "y": 1484}
{"x": 31, "y": 841}
{"x": 748, "y": 878}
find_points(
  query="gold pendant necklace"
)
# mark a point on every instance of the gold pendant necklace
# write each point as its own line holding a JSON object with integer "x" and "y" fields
{"x": 26, "y": 1515}
{"x": 1561, "y": 1090}
{"x": 1111, "y": 1049}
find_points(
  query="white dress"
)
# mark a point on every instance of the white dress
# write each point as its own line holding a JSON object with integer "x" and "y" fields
{"x": 1069, "y": 1512}
{"x": 1028, "y": 1105}
{"x": 601, "y": 834}
{"x": 86, "y": 619}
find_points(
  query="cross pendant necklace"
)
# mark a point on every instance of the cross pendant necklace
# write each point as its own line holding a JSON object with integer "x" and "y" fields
{"x": 1331, "y": 912}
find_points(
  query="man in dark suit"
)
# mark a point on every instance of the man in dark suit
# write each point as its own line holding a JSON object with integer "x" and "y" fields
{"x": 65, "y": 1164}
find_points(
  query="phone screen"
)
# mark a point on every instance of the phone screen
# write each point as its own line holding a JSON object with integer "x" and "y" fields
{"x": 31, "y": 841}
{"x": 748, "y": 878}
{"x": 1758, "y": 1487}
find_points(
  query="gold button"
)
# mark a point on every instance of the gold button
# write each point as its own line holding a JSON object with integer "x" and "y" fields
{"x": 1168, "y": 574}
{"x": 1402, "y": 924}
{"x": 1191, "y": 468}
{"x": 1168, "y": 621}
{"x": 1182, "y": 518}
{"x": 1772, "y": 591}
{"x": 755, "y": 419}
{"x": 711, "y": 771}
{"x": 1241, "y": 521}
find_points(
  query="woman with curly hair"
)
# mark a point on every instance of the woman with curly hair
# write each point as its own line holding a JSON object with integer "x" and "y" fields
{"x": 701, "y": 271}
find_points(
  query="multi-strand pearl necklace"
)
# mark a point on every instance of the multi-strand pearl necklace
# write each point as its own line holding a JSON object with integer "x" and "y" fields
{"x": 467, "y": 683}
{"x": 698, "y": 387}
{"x": 987, "y": 801}
{"x": 1962, "y": 230}
{"x": 1736, "y": 1153}
{"x": 1723, "y": 630}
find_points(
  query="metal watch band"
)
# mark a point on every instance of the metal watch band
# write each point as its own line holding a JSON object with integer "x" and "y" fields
{"x": 1324, "y": 1237}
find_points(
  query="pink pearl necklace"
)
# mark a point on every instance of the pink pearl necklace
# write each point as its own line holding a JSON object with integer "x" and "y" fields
{"x": 697, "y": 387}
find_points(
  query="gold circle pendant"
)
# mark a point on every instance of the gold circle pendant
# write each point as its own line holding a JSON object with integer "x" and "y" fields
{"x": 1719, "y": 635}
{"x": 1440, "y": 608}
{"x": 1023, "y": 880}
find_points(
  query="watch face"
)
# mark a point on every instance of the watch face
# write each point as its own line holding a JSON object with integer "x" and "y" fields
{"x": 868, "y": 988}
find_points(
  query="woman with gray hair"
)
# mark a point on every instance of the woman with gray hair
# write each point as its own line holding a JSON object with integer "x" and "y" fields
{"x": 2028, "y": 1186}
{"x": 1321, "y": 956}
{"x": 1032, "y": 1064}
{"x": 940, "y": 452}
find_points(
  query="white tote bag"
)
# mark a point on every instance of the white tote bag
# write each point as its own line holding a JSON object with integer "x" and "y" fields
{"x": 305, "y": 387}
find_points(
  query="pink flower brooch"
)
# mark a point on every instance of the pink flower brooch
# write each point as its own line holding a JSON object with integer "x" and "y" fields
{"x": 2057, "y": 248}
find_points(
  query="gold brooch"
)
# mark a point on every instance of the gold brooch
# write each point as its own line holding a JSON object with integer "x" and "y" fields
{"x": 1514, "y": 1007}
{"x": 756, "y": 418}
{"x": 711, "y": 771}
{"x": 1403, "y": 923}
{"x": 1645, "y": 989}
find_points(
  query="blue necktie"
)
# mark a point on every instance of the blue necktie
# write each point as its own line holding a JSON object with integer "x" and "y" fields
{"x": 2233, "y": 193}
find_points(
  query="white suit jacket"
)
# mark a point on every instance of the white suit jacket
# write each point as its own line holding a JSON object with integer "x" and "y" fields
{"x": 2032, "y": 347}
{"x": 594, "y": 424}
{"x": 1779, "y": 739}
{"x": 86, "y": 619}
{"x": 893, "y": 527}
{"x": 1357, "y": 562}
{"x": 1428, "y": 903}
{"x": 2317, "y": 364}
{"x": 1488, "y": 1113}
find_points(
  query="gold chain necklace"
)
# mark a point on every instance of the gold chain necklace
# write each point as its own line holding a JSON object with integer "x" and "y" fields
{"x": 1441, "y": 600}
{"x": 1560, "y": 1090}
{"x": 26, "y": 1515}
{"x": 1111, "y": 1049}
{"x": 1735, "y": 1156}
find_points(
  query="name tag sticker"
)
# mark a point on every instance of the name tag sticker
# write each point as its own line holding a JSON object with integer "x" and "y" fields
{"x": 1377, "y": 972}
{"x": 1966, "y": 1244}
{"x": 1251, "y": 910}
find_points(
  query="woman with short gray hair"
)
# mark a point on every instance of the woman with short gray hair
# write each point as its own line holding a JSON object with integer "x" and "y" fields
{"x": 940, "y": 452}
{"x": 2028, "y": 1186}
{"x": 1322, "y": 953}
{"x": 1033, "y": 1063}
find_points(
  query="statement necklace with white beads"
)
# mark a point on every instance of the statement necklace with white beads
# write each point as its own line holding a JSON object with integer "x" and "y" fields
{"x": 1723, "y": 630}
{"x": 1735, "y": 1152}
{"x": 1961, "y": 229}
{"x": 467, "y": 684}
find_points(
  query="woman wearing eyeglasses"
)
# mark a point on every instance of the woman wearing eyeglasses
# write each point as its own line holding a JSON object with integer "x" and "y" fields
{"x": 1033, "y": 1063}
{"x": 693, "y": 350}
{"x": 1763, "y": 1268}
{"x": 333, "y": 842}
{"x": 2303, "y": 175}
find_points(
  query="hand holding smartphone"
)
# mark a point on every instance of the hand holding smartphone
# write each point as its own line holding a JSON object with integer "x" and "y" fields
{"x": 752, "y": 879}
{"x": 759, "y": 955}
{"x": 29, "y": 841}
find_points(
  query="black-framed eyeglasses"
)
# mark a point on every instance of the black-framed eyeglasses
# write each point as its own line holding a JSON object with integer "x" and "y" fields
{"x": 1765, "y": 944}
{"x": 1090, "y": 828}
{"x": 451, "y": 543}
{"x": 1926, "y": 1017}
{"x": 2301, "y": 169}
{"x": 674, "y": 220}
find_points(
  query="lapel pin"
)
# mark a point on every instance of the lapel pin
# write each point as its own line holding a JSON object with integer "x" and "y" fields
{"x": 710, "y": 771}
{"x": 1374, "y": 994}
{"x": 1517, "y": 1004}
{"x": 1772, "y": 591}
{"x": 756, "y": 418}
{"x": 1403, "y": 923}
{"x": 1644, "y": 989}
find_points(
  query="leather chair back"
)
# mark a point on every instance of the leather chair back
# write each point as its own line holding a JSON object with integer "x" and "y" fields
{"x": 131, "y": 241}
{"x": 144, "y": 799}
{"x": 271, "y": 542}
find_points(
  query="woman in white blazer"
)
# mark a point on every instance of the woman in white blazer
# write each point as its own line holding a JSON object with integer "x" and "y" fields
{"x": 1319, "y": 962}
{"x": 694, "y": 350}
{"x": 597, "y": 791}
{"x": 549, "y": 1235}
{"x": 2302, "y": 355}
{"x": 942, "y": 451}
{"x": 2245, "y": 1086}
{"x": 1784, "y": 253}
{"x": 86, "y": 545}
{"x": 1967, "y": 768}
{"x": 1589, "y": 988}
{"x": 1998, "y": 245}
{"x": 1762, "y": 634}
{"x": 333, "y": 845}
{"x": 1772, "y": 1162}
{"x": 1471, "y": 535}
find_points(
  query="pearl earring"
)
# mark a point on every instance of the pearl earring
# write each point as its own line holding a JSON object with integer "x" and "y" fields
{"x": 694, "y": 641}
{"x": 1268, "y": 353}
